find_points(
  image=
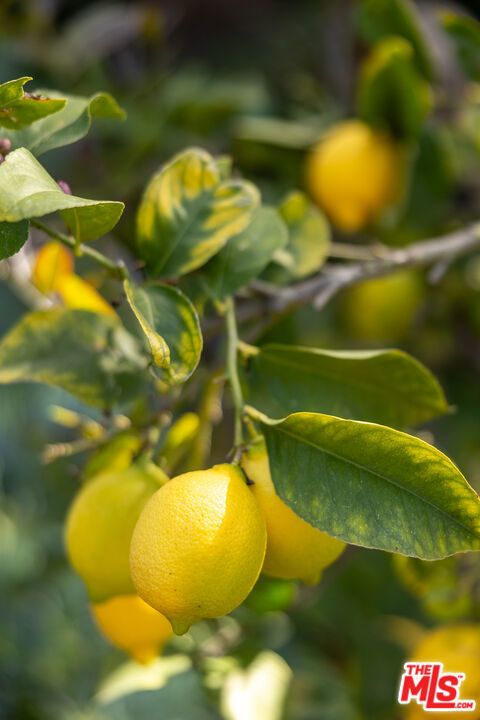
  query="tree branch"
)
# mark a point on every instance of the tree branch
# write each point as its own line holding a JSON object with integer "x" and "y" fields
{"x": 272, "y": 301}
{"x": 321, "y": 288}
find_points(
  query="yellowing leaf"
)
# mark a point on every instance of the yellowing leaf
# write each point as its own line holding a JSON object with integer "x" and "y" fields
{"x": 171, "y": 328}
{"x": 78, "y": 294}
{"x": 188, "y": 213}
{"x": 90, "y": 355}
{"x": 52, "y": 262}
{"x": 372, "y": 486}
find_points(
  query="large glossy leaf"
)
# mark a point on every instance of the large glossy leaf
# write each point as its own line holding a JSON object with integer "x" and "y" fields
{"x": 380, "y": 19}
{"x": 28, "y": 191}
{"x": 171, "y": 327}
{"x": 392, "y": 94}
{"x": 246, "y": 255}
{"x": 12, "y": 237}
{"x": 18, "y": 110}
{"x": 308, "y": 242}
{"x": 67, "y": 126}
{"x": 385, "y": 386}
{"x": 188, "y": 213}
{"x": 87, "y": 354}
{"x": 373, "y": 486}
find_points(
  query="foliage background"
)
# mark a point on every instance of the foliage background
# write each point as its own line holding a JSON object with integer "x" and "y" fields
{"x": 221, "y": 75}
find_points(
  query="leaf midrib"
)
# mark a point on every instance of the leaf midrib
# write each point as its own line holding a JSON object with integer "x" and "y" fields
{"x": 198, "y": 205}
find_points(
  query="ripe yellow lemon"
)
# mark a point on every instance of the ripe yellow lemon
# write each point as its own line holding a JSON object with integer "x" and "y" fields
{"x": 295, "y": 549}
{"x": 100, "y": 525}
{"x": 458, "y": 648}
{"x": 354, "y": 173}
{"x": 198, "y": 546}
{"x": 384, "y": 309}
{"x": 133, "y": 626}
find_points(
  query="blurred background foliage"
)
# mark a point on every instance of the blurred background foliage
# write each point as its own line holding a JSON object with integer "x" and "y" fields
{"x": 259, "y": 80}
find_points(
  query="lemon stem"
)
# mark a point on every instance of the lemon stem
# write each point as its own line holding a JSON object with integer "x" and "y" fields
{"x": 232, "y": 369}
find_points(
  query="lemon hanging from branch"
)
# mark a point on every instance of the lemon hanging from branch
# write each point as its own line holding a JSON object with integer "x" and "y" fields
{"x": 198, "y": 547}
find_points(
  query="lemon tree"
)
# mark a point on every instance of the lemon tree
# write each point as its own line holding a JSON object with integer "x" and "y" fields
{"x": 205, "y": 236}
{"x": 279, "y": 456}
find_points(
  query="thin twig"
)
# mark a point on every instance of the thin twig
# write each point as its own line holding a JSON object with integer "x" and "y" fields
{"x": 349, "y": 251}
{"x": 271, "y": 301}
{"x": 321, "y": 288}
{"x": 116, "y": 269}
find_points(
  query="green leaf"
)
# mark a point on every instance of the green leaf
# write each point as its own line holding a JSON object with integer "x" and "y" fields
{"x": 27, "y": 191}
{"x": 72, "y": 123}
{"x": 12, "y": 91}
{"x": 392, "y": 95}
{"x": 18, "y": 110}
{"x": 171, "y": 326}
{"x": 188, "y": 213}
{"x": 87, "y": 354}
{"x": 465, "y": 33}
{"x": 379, "y": 19}
{"x": 372, "y": 486}
{"x": 246, "y": 255}
{"x": 308, "y": 244}
{"x": 13, "y": 236}
{"x": 384, "y": 386}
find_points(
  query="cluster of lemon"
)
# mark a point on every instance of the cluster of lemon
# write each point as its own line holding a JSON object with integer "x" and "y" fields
{"x": 157, "y": 554}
